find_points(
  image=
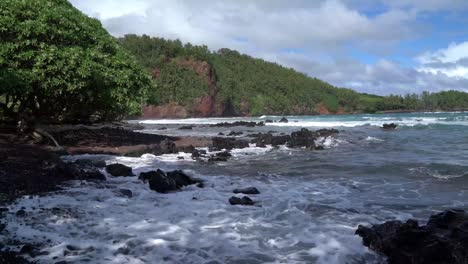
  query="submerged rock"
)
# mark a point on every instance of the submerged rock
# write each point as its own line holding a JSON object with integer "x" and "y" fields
{"x": 444, "y": 239}
{"x": 186, "y": 128}
{"x": 241, "y": 201}
{"x": 249, "y": 190}
{"x": 390, "y": 126}
{"x": 126, "y": 193}
{"x": 162, "y": 182}
{"x": 119, "y": 170}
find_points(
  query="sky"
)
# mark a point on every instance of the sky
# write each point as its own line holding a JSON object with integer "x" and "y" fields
{"x": 374, "y": 46}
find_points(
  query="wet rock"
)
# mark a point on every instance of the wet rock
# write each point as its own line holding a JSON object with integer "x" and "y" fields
{"x": 87, "y": 163}
{"x": 198, "y": 153}
{"x": 444, "y": 239}
{"x": 302, "y": 138}
{"x": 119, "y": 170}
{"x": 241, "y": 201}
{"x": 162, "y": 182}
{"x": 228, "y": 143}
{"x": 260, "y": 145}
{"x": 186, "y": 128}
{"x": 319, "y": 148}
{"x": 145, "y": 176}
{"x": 238, "y": 123}
{"x": 10, "y": 257}
{"x": 234, "y": 133}
{"x": 269, "y": 139}
{"x": 249, "y": 190}
{"x": 390, "y": 126}
{"x": 220, "y": 134}
{"x": 21, "y": 213}
{"x": 93, "y": 175}
{"x": 126, "y": 193}
{"x": 186, "y": 149}
{"x": 327, "y": 132}
{"x": 268, "y": 121}
{"x": 168, "y": 146}
{"x": 283, "y": 120}
{"x": 220, "y": 156}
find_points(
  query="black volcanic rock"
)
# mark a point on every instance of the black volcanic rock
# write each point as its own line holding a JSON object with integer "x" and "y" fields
{"x": 283, "y": 120}
{"x": 241, "y": 201}
{"x": 390, "y": 126}
{"x": 119, "y": 170}
{"x": 444, "y": 239}
{"x": 162, "y": 182}
{"x": 229, "y": 143}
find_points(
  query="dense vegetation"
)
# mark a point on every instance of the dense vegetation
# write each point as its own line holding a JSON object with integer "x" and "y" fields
{"x": 58, "y": 65}
{"x": 257, "y": 87}
{"x": 253, "y": 86}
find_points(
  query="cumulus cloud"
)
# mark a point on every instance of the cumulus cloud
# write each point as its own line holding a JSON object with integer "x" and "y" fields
{"x": 311, "y": 36}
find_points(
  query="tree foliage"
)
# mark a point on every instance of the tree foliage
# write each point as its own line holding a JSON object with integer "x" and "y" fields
{"x": 58, "y": 65}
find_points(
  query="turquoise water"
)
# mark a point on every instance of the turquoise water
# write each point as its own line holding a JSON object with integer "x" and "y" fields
{"x": 311, "y": 202}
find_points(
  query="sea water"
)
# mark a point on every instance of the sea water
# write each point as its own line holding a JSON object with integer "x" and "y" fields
{"x": 310, "y": 205}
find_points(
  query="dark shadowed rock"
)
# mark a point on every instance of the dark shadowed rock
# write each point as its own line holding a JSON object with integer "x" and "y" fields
{"x": 221, "y": 156}
{"x": 197, "y": 153}
{"x": 86, "y": 163}
{"x": 283, "y": 120}
{"x": 10, "y": 257}
{"x": 168, "y": 146}
{"x": 390, "y": 126}
{"x": 268, "y": 121}
{"x": 186, "y": 128}
{"x": 302, "y": 138}
{"x": 234, "y": 133}
{"x": 93, "y": 175}
{"x": 119, "y": 170}
{"x": 162, "y": 182}
{"x": 269, "y": 139}
{"x": 250, "y": 190}
{"x": 229, "y": 143}
{"x": 443, "y": 240}
{"x": 319, "y": 148}
{"x": 238, "y": 123}
{"x": 241, "y": 201}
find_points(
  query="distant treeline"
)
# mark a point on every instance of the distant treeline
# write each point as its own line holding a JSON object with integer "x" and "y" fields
{"x": 257, "y": 87}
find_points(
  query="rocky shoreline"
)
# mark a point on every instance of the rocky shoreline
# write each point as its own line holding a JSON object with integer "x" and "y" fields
{"x": 31, "y": 165}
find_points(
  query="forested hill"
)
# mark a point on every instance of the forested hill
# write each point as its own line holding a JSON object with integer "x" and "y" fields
{"x": 193, "y": 81}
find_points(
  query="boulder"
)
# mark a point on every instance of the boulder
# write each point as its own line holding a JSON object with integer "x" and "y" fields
{"x": 444, "y": 239}
{"x": 302, "y": 138}
{"x": 168, "y": 146}
{"x": 241, "y": 201}
{"x": 390, "y": 126}
{"x": 249, "y": 190}
{"x": 119, "y": 170}
{"x": 93, "y": 175}
{"x": 283, "y": 120}
{"x": 162, "y": 182}
{"x": 198, "y": 153}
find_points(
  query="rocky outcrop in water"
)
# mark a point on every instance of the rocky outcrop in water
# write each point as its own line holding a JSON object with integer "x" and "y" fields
{"x": 241, "y": 201}
{"x": 220, "y": 143}
{"x": 162, "y": 182}
{"x": 238, "y": 123}
{"x": 119, "y": 170}
{"x": 249, "y": 190}
{"x": 283, "y": 120}
{"x": 444, "y": 239}
{"x": 303, "y": 138}
{"x": 390, "y": 126}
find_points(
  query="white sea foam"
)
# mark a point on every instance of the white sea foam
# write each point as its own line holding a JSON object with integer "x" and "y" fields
{"x": 374, "y": 139}
{"x": 296, "y": 221}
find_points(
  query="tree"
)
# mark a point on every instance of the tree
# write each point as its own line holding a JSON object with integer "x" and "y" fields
{"x": 58, "y": 65}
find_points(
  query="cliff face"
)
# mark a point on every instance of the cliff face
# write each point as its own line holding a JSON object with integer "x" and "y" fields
{"x": 206, "y": 106}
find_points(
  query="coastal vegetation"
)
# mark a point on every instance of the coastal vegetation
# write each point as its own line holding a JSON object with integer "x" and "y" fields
{"x": 58, "y": 65}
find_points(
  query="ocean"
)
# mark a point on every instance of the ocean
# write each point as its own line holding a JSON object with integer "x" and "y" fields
{"x": 310, "y": 204}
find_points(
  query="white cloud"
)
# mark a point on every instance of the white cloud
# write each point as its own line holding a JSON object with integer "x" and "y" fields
{"x": 452, "y": 61}
{"x": 321, "y": 31}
